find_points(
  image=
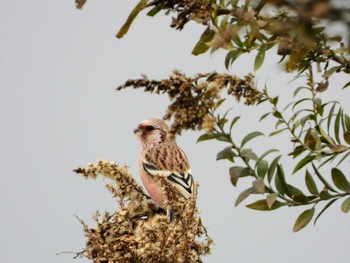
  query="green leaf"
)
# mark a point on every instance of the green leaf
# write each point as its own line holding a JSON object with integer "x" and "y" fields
{"x": 330, "y": 71}
{"x": 231, "y": 57}
{"x": 303, "y": 162}
{"x": 259, "y": 185}
{"x": 262, "y": 168}
{"x": 343, "y": 158}
{"x": 345, "y": 206}
{"x": 330, "y": 116}
{"x": 300, "y": 198}
{"x": 318, "y": 146}
{"x": 325, "y": 135}
{"x": 262, "y": 205}
{"x": 294, "y": 190}
{"x": 278, "y": 123}
{"x": 325, "y": 195}
{"x": 346, "y": 85}
{"x": 218, "y": 104}
{"x": 226, "y": 153}
{"x": 237, "y": 40}
{"x": 319, "y": 29}
{"x": 319, "y": 106}
{"x": 277, "y": 132}
{"x": 325, "y": 183}
{"x": 201, "y": 46}
{"x": 237, "y": 172}
{"x": 337, "y": 124}
{"x": 250, "y": 136}
{"x": 342, "y": 120}
{"x": 340, "y": 180}
{"x": 224, "y": 22}
{"x": 280, "y": 181}
{"x": 276, "y": 113}
{"x": 270, "y": 199}
{"x": 288, "y": 106}
{"x": 299, "y": 89}
{"x": 264, "y": 116}
{"x": 206, "y": 136}
{"x": 347, "y": 122}
{"x": 243, "y": 195}
{"x": 259, "y": 59}
{"x": 248, "y": 153}
{"x": 267, "y": 153}
{"x": 272, "y": 168}
{"x": 225, "y": 115}
{"x": 324, "y": 209}
{"x": 306, "y": 118}
{"x": 300, "y": 101}
{"x": 233, "y": 122}
{"x": 303, "y": 219}
{"x": 138, "y": 8}
{"x": 310, "y": 184}
{"x": 224, "y": 138}
{"x": 297, "y": 151}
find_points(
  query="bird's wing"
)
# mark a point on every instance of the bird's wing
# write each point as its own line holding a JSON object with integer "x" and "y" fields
{"x": 170, "y": 161}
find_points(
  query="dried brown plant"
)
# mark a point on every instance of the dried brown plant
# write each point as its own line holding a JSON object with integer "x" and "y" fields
{"x": 193, "y": 97}
{"x": 186, "y": 10}
{"x": 138, "y": 231}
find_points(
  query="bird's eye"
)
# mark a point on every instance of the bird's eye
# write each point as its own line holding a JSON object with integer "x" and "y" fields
{"x": 149, "y": 128}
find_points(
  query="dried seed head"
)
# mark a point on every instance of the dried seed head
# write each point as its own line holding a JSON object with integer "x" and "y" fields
{"x": 138, "y": 231}
{"x": 193, "y": 97}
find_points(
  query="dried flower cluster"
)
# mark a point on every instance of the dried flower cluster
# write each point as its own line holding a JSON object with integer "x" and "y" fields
{"x": 138, "y": 231}
{"x": 193, "y": 97}
{"x": 186, "y": 10}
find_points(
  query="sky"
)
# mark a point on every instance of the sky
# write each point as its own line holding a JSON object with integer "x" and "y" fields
{"x": 59, "y": 68}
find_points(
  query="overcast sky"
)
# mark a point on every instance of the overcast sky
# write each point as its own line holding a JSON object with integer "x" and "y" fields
{"x": 59, "y": 110}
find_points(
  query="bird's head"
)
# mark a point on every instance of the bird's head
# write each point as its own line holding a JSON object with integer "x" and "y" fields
{"x": 152, "y": 132}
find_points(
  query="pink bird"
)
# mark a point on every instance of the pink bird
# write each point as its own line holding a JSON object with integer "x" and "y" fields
{"x": 160, "y": 155}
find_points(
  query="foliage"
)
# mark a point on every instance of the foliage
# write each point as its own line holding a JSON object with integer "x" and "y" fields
{"x": 139, "y": 232}
{"x": 296, "y": 27}
{"x": 320, "y": 131}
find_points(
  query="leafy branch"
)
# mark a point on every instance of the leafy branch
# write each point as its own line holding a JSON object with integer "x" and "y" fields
{"x": 320, "y": 131}
{"x": 297, "y": 29}
{"x": 308, "y": 138}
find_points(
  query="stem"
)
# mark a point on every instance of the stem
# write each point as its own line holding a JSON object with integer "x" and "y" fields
{"x": 317, "y": 200}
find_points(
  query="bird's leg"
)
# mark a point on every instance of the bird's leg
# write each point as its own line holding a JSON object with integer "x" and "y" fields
{"x": 170, "y": 215}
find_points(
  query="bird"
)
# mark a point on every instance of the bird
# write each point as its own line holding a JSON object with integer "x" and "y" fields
{"x": 160, "y": 155}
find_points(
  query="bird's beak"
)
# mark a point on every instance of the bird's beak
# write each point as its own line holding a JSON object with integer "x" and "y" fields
{"x": 137, "y": 132}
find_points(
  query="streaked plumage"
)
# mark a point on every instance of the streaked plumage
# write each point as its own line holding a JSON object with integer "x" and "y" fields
{"x": 160, "y": 155}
